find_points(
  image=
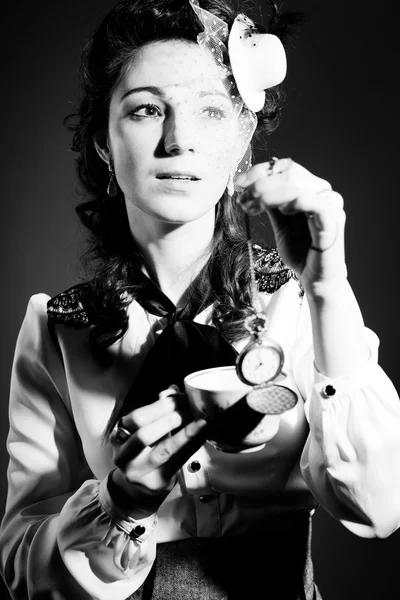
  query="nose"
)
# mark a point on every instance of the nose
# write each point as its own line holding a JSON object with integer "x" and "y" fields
{"x": 179, "y": 135}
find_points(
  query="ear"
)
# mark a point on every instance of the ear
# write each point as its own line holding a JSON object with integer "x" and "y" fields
{"x": 100, "y": 140}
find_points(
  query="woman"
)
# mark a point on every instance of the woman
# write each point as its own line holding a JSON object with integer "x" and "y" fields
{"x": 108, "y": 467}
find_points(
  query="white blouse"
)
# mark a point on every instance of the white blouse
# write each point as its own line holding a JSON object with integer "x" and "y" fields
{"x": 61, "y": 529}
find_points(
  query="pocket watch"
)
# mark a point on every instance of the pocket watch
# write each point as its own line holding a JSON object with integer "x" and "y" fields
{"x": 261, "y": 360}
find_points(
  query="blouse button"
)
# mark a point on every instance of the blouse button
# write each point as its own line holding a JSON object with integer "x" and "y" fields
{"x": 205, "y": 499}
{"x": 194, "y": 466}
{"x": 328, "y": 391}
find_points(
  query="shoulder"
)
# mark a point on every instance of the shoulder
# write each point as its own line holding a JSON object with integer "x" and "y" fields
{"x": 271, "y": 272}
{"x": 33, "y": 333}
{"x": 71, "y": 307}
{"x": 36, "y": 311}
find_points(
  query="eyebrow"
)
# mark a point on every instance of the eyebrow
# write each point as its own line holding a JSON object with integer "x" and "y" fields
{"x": 156, "y": 91}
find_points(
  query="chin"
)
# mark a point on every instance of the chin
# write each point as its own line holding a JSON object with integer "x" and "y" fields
{"x": 174, "y": 206}
{"x": 181, "y": 217}
{"x": 181, "y": 210}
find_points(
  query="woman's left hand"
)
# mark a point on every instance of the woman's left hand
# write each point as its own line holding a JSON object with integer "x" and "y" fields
{"x": 307, "y": 217}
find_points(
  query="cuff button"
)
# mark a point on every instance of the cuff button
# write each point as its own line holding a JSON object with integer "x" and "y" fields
{"x": 138, "y": 531}
{"x": 194, "y": 466}
{"x": 328, "y": 391}
{"x": 205, "y": 499}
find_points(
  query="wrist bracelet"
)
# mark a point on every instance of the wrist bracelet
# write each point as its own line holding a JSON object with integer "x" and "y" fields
{"x": 323, "y": 249}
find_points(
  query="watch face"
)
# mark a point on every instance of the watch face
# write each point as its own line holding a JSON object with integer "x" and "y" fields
{"x": 260, "y": 363}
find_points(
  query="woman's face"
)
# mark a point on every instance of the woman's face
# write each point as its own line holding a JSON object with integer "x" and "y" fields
{"x": 172, "y": 132}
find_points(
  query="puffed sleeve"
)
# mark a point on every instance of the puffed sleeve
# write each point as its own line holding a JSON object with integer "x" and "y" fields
{"x": 61, "y": 536}
{"x": 351, "y": 460}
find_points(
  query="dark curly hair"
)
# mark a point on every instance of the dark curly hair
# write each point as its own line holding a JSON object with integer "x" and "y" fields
{"x": 112, "y": 258}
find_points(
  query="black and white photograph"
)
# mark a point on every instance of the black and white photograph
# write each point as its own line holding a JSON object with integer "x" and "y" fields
{"x": 200, "y": 224}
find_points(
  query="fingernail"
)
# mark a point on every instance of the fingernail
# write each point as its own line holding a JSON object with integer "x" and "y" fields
{"x": 173, "y": 387}
{"x": 241, "y": 180}
{"x": 195, "y": 426}
{"x": 171, "y": 391}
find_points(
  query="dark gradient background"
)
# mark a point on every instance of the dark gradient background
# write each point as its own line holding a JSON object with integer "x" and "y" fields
{"x": 341, "y": 122}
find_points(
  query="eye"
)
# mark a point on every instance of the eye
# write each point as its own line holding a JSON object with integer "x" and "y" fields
{"x": 213, "y": 112}
{"x": 145, "y": 111}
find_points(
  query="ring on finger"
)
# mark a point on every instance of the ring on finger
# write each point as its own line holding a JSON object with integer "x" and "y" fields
{"x": 278, "y": 166}
{"x": 271, "y": 166}
{"x": 120, "y": 433}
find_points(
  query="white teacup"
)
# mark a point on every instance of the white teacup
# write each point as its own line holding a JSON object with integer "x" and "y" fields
{"x": 213, "y": 394}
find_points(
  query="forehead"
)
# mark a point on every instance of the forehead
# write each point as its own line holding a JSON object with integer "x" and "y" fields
{"x": 173, "y": 65}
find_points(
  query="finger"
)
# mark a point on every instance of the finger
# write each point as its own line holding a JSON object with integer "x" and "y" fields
{"x": 326, "y": 217}
{"x": 326, "y": 222}
{"x": 328, "y": 231}
{"x": 321, "y": 214}
{"x": 174, "y": 451}
{"x": 166, "y": 457}
{"x": 119, "y": 434}
{"x": 334, "y": 198}
{"x": 251, "y": 206}
{"x": 320, "y": 205}
{"x": 170, "y": 391}
{"x": 283, "y": 187}
{"x": 284, "y": 170}
{"x": 170, "y": 400}
{"x": 147, "y": 436}
{"x": 263, "y": 170}
{"x": 256, "y": 204}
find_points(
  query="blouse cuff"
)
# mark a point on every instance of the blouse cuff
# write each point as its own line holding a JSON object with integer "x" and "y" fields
{"x": 137, "y": 529}
{"x": 327, "y": 387}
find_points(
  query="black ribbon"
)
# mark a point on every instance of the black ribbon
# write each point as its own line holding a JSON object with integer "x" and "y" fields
{"x": 183, "y": 346}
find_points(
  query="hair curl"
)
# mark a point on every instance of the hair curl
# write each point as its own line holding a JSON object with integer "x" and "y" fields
{"x": 112, "y": 258}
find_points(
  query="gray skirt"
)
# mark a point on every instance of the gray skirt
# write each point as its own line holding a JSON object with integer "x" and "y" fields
{"x": 270, "y": 567}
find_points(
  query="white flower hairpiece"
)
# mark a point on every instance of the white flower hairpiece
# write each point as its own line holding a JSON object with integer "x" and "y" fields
{"x": 256, "y": 60}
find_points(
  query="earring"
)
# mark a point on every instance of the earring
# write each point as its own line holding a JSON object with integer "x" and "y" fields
{"x": 230, "y": 186}
{"x": 112, "y": 185}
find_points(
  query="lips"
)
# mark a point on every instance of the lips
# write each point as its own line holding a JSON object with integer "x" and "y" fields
{"x": 178, "y": 176}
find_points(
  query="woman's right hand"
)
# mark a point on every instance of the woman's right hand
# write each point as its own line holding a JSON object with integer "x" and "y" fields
{"x": 163, "y": 437}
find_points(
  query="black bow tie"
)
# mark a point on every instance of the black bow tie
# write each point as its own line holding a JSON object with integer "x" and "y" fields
{"x": 182, "y": 348}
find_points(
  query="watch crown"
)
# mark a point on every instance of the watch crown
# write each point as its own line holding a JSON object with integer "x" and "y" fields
{"x": 256, "y": 323}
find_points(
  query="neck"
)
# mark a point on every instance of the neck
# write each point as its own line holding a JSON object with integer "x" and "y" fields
{"x": 174, "y": 253}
